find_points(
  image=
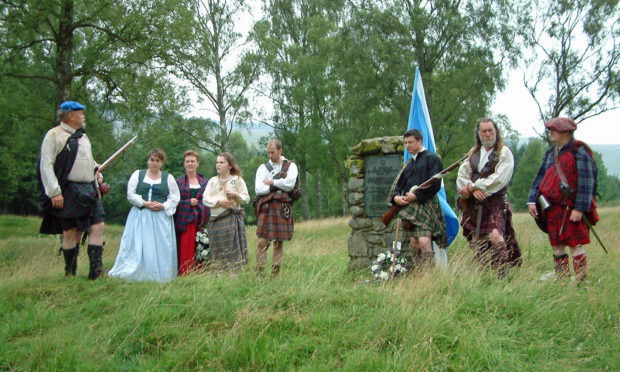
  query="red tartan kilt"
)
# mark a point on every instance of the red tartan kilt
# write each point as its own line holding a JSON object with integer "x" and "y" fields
{"x": 271, "y": 224}
{"x": 573, "y": 233}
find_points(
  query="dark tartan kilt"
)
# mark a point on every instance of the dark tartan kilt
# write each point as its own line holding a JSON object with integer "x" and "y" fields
{"x": 227, "y": 240}
{"x": 573, "y": 233}
{"x": 271, "y": 223}
{"x": 427, "y": 217}
{"x": 493, "y": 217}
{"x": 82, "y": 208}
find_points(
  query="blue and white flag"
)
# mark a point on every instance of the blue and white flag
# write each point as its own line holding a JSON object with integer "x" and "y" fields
{"x": 420, "y": 119}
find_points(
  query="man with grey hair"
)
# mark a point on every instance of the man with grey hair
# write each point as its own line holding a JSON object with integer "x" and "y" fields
{"x": 483, "y": 185}
{"x": 70, "y": 197}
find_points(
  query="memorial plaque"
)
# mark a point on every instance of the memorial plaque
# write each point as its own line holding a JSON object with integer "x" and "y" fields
{"x": 379, "y": 173}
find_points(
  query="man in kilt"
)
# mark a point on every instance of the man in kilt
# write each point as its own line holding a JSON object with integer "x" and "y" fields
{"x": 566, "y": 179}
{"x": 70, "y": 196}
{"x": 274, "y": 180}
{"x": 422, "y": 219}
{"x": 487, "y": 214}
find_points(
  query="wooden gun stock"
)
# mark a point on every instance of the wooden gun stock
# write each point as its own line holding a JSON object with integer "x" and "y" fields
{"x": 389, "y": 215}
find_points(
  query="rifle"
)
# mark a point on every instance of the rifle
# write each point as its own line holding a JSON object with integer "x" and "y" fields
{"x": 104, "y": 188}
{"x": 389, "y": 215}
{"x": 124, "y": 148}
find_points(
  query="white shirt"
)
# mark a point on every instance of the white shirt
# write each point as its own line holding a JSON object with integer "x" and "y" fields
{"x": 216, "y": 191}
{"x": 496, "y": 181}
{"x": 174, "y": 195}
{"x": 83, "y": 169}
{"x": 285, "y": 184}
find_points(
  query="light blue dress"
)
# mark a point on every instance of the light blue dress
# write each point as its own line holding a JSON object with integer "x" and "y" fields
{"x": 148, "y": 249}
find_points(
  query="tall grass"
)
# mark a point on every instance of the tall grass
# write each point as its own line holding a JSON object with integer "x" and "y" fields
{"x": 315, "y": 316}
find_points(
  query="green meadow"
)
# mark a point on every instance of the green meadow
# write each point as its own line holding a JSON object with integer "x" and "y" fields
{"x": 316, "y": 315}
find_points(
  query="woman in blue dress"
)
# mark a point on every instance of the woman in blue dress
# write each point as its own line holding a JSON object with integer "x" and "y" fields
{"x": 148, "y": 248}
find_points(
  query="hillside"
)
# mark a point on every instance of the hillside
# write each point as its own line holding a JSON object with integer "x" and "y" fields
{"x": 611, "y": 157}
{"x": 315, "y": 316}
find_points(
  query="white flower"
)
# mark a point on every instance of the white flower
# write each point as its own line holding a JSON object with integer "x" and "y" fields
{"x": 374, "y": 267}
{"x": 398, "y": 267}
{"x": 381, "y": 257}
{"x": 383, "y": 275}
{"x": 204, "y": 253}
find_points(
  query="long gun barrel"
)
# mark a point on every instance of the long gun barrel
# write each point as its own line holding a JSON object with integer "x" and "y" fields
{"x": 105, "y": 164}
{"x": 389, "y": 215}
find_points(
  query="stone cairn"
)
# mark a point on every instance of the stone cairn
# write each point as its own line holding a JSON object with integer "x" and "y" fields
{"x": 369, "y": 236}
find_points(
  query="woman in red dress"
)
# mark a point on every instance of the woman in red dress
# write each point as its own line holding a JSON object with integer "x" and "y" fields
{"x": 191, "y": 212}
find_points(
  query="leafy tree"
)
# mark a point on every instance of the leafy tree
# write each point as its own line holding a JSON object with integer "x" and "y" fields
{"x": 460, "y": 47}
{"x": 203, "y": 59}
{"x": 525, "y": 171}
{"x": 573, "y": 54}
{"x": 104, "y": 54}
{"x": 296, "y": 41}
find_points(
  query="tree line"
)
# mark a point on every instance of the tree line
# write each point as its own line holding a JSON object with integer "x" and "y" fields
{"x": 332, "y": 72}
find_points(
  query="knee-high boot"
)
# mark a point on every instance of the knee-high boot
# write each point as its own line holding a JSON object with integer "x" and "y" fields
{"x": 96, "y": 263}
{"x": 71, "y": 256}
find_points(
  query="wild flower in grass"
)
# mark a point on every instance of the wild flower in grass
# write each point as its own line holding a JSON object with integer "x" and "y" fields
{"x": 202, "y": 245}
{"x": 382, "y": 267}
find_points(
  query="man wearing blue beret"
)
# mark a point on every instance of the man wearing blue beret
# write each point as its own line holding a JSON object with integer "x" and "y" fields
{"x": 70, "y": 199}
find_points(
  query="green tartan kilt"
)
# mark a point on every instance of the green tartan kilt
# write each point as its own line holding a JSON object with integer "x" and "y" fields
{"x": 427, "y": 216}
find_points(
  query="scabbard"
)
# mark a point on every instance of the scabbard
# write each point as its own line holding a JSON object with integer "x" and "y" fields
{"x": 478, "y": 206}
{"x": 595, "y": 234}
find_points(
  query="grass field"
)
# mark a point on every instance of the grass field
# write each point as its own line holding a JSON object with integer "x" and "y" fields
{"x": 316, "y": 315}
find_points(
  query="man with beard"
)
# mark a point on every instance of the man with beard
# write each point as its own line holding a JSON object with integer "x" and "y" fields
{"x": 566, "y": 179}
{"x": 275, "y": 181}
{"x": 70, "y": 198}
{"x": 487, "y": 215}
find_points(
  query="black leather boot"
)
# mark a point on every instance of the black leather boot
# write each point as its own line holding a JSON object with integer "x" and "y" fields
{"x": 70, "y": 256}
{"x": 96, "y": 263}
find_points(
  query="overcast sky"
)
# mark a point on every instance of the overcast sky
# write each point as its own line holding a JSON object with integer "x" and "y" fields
{"x": 520, "y": 108}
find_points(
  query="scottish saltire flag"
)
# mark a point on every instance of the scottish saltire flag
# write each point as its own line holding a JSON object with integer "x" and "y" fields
{"x": 420, "y": 119}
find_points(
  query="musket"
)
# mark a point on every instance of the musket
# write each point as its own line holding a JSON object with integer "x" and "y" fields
{"x": 389, "y": 215}
{"x": 104, "y": 188}
{"x": 105, "y": 164}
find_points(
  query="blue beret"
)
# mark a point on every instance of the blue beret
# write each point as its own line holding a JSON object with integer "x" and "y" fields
{"x": 71, "y": 106}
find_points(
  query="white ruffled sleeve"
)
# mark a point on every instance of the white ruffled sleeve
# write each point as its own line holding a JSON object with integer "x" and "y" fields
{"x": 174, "y": 196}
{"x": 287, "y": 183}
{"x": 261, "y": 174}
{"x": 132, "y": 185}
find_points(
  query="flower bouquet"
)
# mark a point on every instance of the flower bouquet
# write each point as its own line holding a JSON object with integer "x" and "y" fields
{"x": 202, "y": 245}
{"x": 382, "y": 266}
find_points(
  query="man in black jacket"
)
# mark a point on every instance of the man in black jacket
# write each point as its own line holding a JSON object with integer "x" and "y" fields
{"x": 422, "y": 219}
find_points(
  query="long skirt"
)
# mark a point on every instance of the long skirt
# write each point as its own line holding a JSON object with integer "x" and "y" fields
{"x": 187, "y": 248}
{"x": 227, "y": 240}
{"x": 148, "y": 248}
